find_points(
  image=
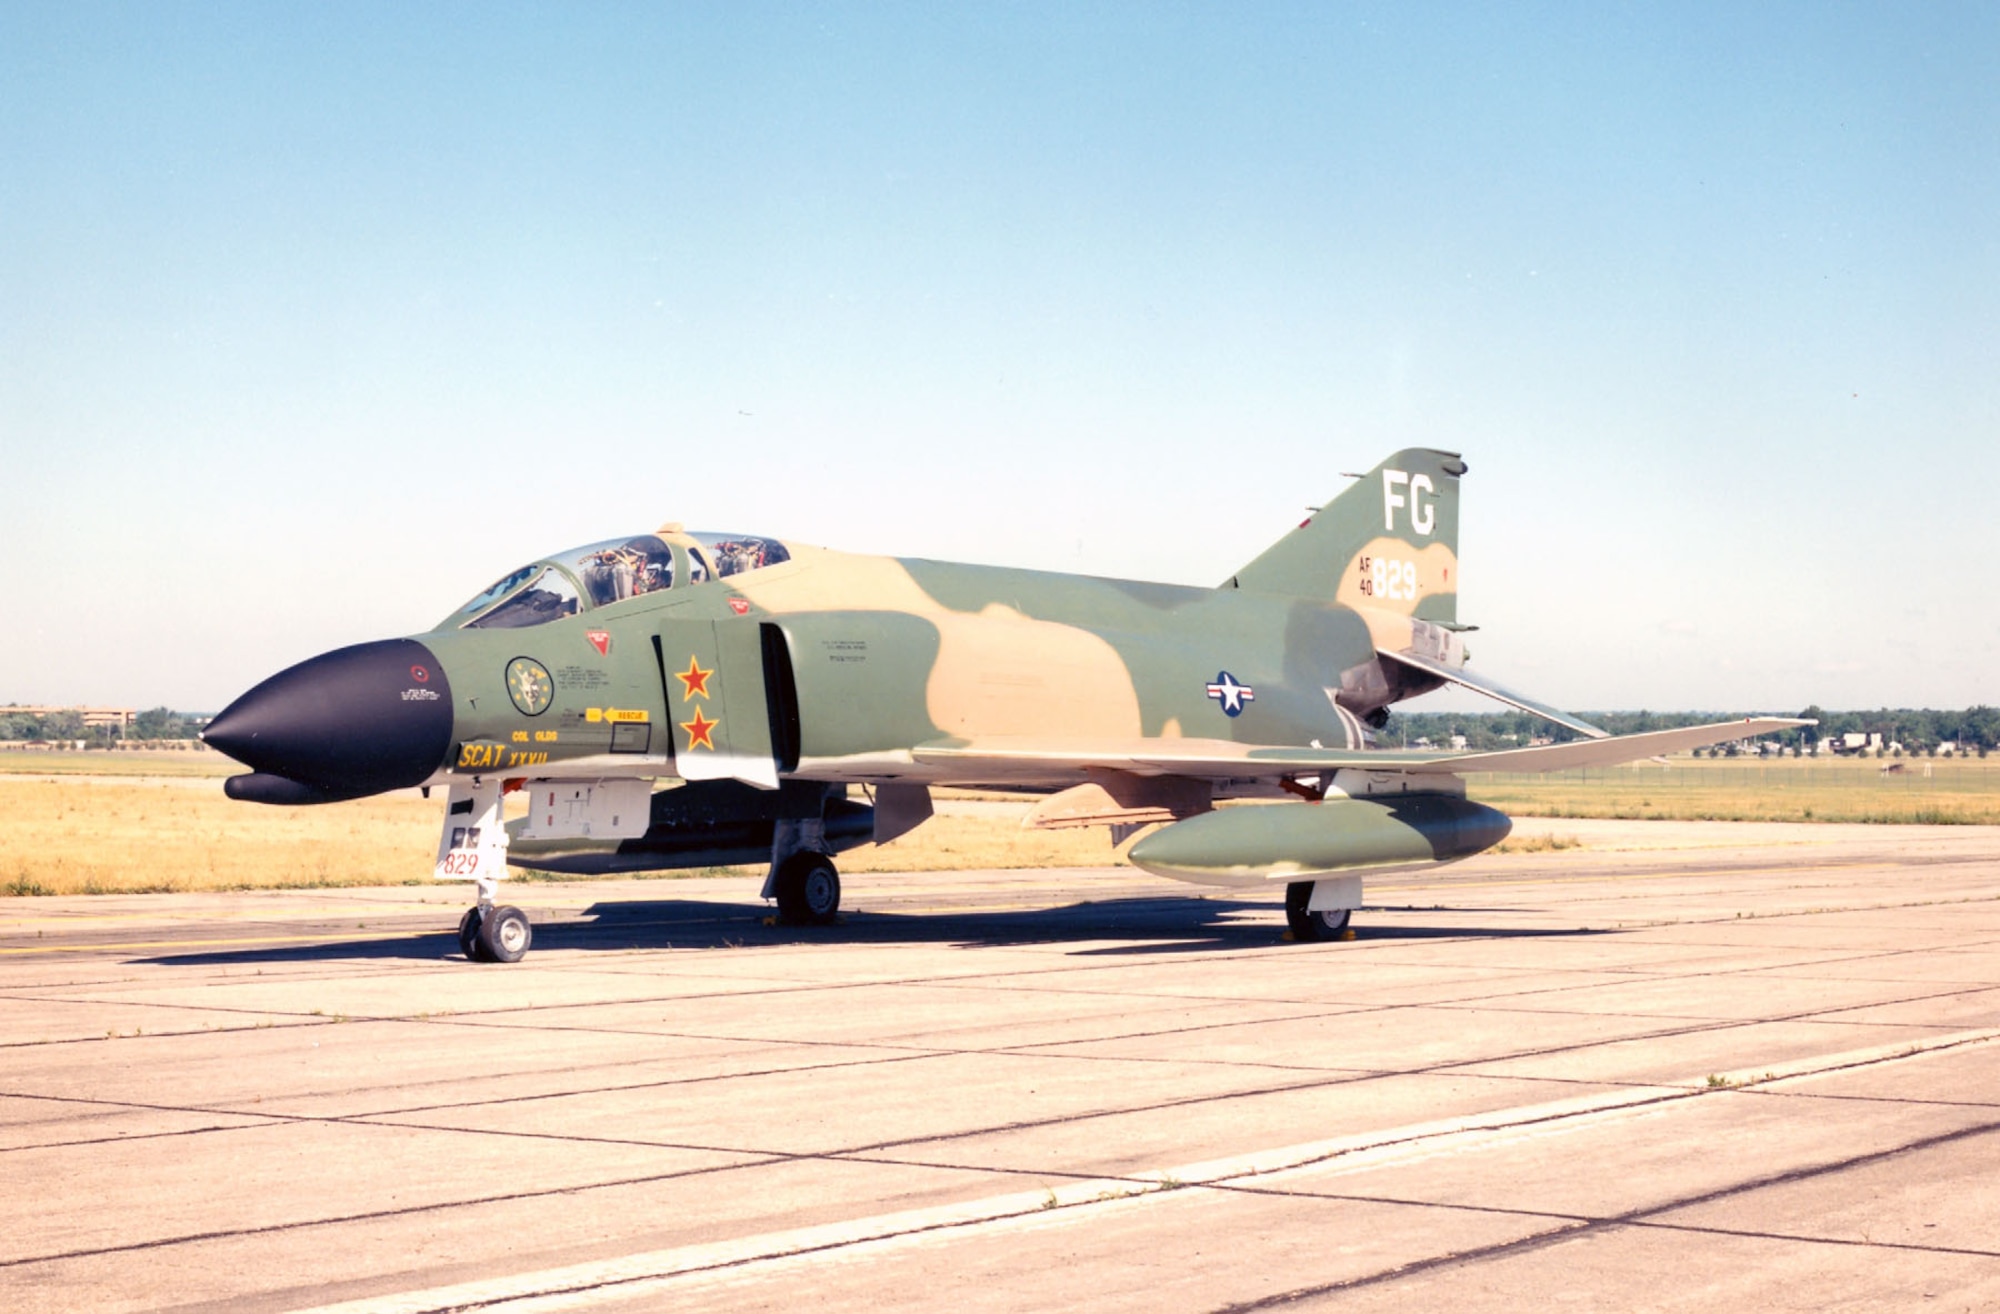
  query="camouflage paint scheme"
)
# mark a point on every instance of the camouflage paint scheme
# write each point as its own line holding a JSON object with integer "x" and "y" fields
{"x": 1132, "y": 703}
{"x": 894, "y": 656}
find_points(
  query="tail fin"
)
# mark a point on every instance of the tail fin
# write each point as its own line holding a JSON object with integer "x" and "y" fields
{"x": 1389, "y": 543}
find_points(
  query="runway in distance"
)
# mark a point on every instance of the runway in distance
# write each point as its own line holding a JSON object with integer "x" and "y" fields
{"x": 679, "y": 699}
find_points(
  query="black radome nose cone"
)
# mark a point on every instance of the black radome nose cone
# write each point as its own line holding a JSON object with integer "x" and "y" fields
{"x": 347, "y": 723}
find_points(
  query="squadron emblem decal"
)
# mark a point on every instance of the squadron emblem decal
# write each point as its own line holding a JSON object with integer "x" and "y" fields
{"x": 529, "y": 685}
{"x": 694, "y": 680}
{"x": 701, "y": 731}
{"x": 1230, "y": 694}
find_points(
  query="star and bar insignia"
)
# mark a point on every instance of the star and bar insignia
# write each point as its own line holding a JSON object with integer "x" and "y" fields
{"x": 694, "y": 680}
{"x": 1232, "y": 695}
{"x": 701, "y": 731}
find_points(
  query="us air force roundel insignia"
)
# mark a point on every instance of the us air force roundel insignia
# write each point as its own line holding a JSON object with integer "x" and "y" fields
{"x": 1230, "y": 694}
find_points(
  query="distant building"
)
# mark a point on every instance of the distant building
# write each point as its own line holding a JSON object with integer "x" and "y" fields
{"x": 118, "y": 718}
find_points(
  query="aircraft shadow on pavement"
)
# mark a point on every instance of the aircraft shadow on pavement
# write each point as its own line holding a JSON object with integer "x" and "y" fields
{"x": 1148, "y": 925}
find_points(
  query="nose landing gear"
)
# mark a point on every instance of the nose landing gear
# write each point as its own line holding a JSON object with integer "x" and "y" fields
{"x": 474, "y": 847}
{"x": 489, "y": 934}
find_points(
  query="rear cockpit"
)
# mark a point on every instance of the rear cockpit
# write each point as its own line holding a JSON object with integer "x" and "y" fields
{"x": 613, "y": 571}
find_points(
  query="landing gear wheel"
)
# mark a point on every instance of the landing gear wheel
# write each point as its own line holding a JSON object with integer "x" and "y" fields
{"x": 808, "y": 890}
{"x": 504, "y": 935}
{"x": 468, "y": 935}
{"x": 1309, "y": 926}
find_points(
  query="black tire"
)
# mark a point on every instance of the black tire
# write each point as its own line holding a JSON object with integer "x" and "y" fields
{"x": 468, "y": 935}
{"x": 1309, "y": 927}
{"x": 504, "y": 935}
{"x": 808, "y": 890}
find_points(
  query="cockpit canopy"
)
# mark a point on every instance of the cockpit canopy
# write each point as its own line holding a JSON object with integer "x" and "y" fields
{"x": 602, "y": 574}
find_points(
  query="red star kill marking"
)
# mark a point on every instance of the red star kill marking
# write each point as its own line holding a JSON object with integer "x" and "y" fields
{"x": 694, "y": 680}
{"x": 701, "y": 731}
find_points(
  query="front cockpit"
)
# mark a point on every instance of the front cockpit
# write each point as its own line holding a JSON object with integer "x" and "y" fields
{"x": 610, "y": 572}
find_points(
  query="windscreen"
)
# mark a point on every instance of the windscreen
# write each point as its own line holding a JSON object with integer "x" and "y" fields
{"x": 569, "y": 582}
{"x": 549, "y": 596}
{"x": 495, "y": 591}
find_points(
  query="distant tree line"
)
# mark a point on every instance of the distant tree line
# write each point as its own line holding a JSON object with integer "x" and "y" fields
{"x": 1918, "y": 730}
{"x": 154, "y": 723}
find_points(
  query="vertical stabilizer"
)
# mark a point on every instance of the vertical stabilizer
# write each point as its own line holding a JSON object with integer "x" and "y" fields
{"x": 1389, "y": 543}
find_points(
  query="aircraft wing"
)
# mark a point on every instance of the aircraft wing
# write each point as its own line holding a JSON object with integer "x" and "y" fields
{"x": 1023, "y": 758}
{"x": 1480, "y": 684}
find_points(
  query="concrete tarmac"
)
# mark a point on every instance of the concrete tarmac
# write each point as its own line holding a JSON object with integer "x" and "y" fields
{"x": 1683, "y": 1066}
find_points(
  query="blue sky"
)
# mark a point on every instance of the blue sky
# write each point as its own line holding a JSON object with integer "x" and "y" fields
{"x": 313, "y": 319}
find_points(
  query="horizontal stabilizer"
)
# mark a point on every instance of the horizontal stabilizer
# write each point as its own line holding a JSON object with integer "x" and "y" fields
{"x": 1614, "y": 749}
{"x": 1480, "y": 684}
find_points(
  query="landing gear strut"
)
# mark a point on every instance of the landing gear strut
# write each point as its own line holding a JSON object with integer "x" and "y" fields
{"x": 807, "y": 889}
{"x": 474, "y": 847}
{"x": 1307, "y": 925}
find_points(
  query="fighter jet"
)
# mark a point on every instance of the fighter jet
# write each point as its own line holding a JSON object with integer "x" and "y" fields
{"x": 680, "y": 699}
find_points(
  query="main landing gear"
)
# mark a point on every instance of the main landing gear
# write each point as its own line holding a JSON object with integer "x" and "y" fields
{"x": 487, "y": 934}
{"x": 807, "y": 889}
{"x": 1308, "y": 925}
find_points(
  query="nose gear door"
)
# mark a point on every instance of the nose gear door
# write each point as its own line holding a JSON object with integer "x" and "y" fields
{"x": 713, "y": 675}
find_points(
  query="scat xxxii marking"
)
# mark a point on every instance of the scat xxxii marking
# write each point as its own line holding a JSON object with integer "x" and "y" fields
{"x": 482, "y": 755}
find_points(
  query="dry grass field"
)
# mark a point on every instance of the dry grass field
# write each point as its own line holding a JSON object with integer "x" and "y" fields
{"x": 149, "y": 763}
{"x": 111, "y": 836}
{"x": 1932, "y": 791}
{"x": 85, "y": 825}
{"x": 116, "y": 836}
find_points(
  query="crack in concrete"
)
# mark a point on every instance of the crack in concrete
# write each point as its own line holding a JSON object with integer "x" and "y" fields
{"x": 1644, "y": 1217}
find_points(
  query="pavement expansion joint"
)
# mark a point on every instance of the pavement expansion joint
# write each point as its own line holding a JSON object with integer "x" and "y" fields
{"x": 657, "y": 1274}
{"x": 1148, "y": 1101}
{"x": 1646, "y": 1218}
